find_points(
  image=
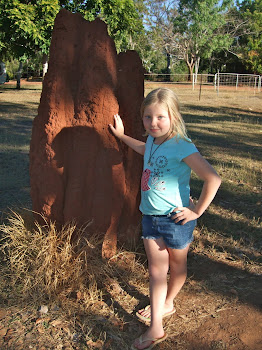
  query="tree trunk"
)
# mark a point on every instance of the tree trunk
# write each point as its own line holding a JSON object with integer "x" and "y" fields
{"x": 131, "y": 43}
{"x": 18, "y": 75}
{"x": 168, "y": 60}
{"x": 190, "y": 65}
{"x": 190, "y": 71}
{"x": 197, "y": 65}
{"x": 196, "y": 68}
{"x": 45, "y": 64}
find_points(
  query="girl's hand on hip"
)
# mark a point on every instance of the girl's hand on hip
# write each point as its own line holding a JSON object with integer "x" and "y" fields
{"x": 118, "y": 129}
{"x": 185, "y": 214}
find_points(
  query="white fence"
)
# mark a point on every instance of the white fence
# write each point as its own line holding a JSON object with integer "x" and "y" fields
{"x": 238, "y": 80}
{"x": 218, "y": 80}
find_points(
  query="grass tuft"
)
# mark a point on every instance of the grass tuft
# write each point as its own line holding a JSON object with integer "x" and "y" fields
{"x": 63, "y": 269}
{"x": 47, "y": 263}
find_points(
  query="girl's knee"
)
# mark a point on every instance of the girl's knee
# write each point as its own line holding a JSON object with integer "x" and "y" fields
{"x": 178, "y": 257}
{"x": 158, "y": 272}
{"x": 178, "y": 269}
{"x": 180, "y": 263}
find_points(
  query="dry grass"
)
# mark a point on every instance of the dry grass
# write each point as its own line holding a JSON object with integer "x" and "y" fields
{"x": 92, "y": 302}
{"x": 44, "y": 261}
{"x": 44, "y": 266}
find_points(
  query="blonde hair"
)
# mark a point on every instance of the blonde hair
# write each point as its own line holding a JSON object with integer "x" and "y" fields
{"x": 168, "y": 99}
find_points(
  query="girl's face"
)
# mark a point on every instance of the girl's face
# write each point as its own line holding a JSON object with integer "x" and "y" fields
{"x": 157, "y": 121}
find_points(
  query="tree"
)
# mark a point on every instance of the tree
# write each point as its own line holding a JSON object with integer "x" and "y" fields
{"x": 251, "y": 42}
{"x": 158, "y": 22}
{"x": 26, "y": 27}
{"x": 122, "y": 17}
{"x": 201, "y": 25}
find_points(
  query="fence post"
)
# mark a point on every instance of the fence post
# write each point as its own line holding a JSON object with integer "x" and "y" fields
{"x": 218, "y": 82}
{"x": 255, "y": 84}
{"x": 200, "y": 87}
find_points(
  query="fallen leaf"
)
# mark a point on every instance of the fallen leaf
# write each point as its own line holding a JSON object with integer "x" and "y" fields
{"x": 2, "y": 313}
{"x": 57, "y": 323}
{"x": 43, "y": 309}
{"x": 98, "y": 344}
{"x": 79, "y": 296}
{"x": 184, "y": 317}
{"x": 117, "y": 323}
{"x": 3, "y": 331}
{"x": 41, "y": 329}
{"x": 67, "y": 330}
{"x": 108, "y": 344}
{"x": 233, "y": 291}
{"x": 9, "y": 332}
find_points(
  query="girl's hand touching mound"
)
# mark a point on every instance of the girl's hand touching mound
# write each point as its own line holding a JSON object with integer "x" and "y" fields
{"x": 185, "y": 213}
{"x": 118, "y": 130}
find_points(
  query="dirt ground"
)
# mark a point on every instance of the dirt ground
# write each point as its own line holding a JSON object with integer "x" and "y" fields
{"x": 219, "y": 308}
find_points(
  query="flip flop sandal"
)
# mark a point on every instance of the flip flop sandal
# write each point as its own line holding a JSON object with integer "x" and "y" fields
{"x": 148, "y": 319}
{"x": 153, "y": 342}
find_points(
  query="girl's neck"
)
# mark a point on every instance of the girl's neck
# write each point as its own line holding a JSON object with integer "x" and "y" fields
{"x": 162, "y": 139}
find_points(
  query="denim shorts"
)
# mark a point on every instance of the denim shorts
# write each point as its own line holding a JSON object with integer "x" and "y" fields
{"x": 175, "y": 235}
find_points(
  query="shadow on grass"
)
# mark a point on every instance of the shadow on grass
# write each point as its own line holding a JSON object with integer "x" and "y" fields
{"x": 13, "y": 108}
{"x": 226, "y": 142}
{"x": 241, "y": 232}
{"x": 17, "y": 125}
{"x": 15, "y": 136}
{"x": 23, "y": 88}
{"x": 14, "y": 181}
{"x": 237, "y": 199}
{"x": 247, "y": 285}
{"x": 214, "y": 276}
{"x": 223, "y": 114}
{"x": 224, "y": 138}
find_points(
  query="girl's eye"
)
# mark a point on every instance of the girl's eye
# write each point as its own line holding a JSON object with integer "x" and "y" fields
{"x": 147, "y": 117}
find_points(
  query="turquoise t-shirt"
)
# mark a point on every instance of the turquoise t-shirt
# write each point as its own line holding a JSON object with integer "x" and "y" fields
{"x": 165, "y": 178}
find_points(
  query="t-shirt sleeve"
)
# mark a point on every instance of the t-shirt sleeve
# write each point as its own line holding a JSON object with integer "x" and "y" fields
{"x": 185, "y": 149}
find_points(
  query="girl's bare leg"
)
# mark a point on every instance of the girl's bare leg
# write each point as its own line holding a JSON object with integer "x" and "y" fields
{"x": 178, "y": 274}
{"x": 158, "y": 264}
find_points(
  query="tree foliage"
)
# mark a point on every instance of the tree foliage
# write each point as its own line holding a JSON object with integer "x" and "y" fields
{"x": 122, "y": 17}
{"x": 202, "y": 28}
{"x": 164, "y": 32}
{"x": 251, "y": 42}
{"x": 26, "y": 26}
{"x": 159, "y": 30}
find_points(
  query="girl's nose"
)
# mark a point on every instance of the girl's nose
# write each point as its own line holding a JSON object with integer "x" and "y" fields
{"x": 153, "y": 122}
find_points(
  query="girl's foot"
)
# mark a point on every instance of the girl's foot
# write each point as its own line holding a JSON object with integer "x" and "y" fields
{"x": 145, "y": 313}
{"x": 148, "y": 341}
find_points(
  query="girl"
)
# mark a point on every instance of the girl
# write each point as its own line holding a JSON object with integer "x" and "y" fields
{"x": 169, "y": 215}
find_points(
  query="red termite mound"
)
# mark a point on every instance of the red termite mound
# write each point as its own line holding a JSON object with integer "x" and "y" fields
{"x": 79, "y": 171}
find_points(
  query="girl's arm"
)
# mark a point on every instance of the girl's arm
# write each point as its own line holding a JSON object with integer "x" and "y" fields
{"x": 119, "y": 131}
{"x": 211, "y": 184}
